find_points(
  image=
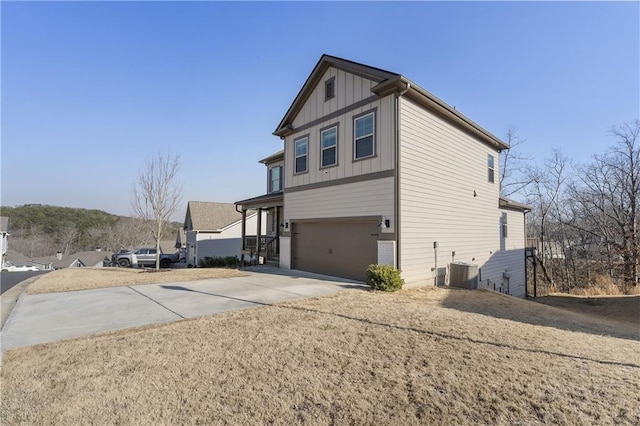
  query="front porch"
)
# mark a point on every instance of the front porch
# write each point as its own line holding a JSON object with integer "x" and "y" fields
{"x": 264, "y": 247}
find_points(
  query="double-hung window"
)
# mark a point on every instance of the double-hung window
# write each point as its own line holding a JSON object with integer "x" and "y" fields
{"x": 364, "y": 136}
{"x": 275, "y": 179}
{"x": 329, "y": 147}
{"x": 490, "y": 168}
{"x": 301, "y": 154}
{"x": 505, "y": 232}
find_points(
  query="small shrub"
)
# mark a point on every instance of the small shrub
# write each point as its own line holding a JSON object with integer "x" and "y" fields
{"x": 384, "y": 277}
{"x": 219, "y": 262}
{"x": 231, "y": 262}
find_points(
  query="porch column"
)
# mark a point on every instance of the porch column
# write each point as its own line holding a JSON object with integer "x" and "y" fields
{"x": 244, "y": 236}
{"x": 258, "y": 235}
{"x": 244, "y": 229}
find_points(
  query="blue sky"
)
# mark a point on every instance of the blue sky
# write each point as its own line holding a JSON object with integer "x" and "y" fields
{"x": 91, "y": 89}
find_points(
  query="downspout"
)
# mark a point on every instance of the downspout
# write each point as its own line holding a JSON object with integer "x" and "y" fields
{"x": 397, "y": 174}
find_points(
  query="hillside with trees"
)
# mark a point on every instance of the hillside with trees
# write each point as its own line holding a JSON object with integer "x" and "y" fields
{"x": 42, "y": 230}
{"x": 584, "y": 217}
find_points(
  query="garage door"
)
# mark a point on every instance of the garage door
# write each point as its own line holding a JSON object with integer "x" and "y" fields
{"x": 341, "y": 249}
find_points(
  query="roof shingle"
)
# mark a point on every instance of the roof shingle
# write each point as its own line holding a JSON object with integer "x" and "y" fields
{"x": 209, "y": 216}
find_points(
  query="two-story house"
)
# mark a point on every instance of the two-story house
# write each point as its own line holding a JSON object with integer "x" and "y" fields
{"x": 376, "y": 169}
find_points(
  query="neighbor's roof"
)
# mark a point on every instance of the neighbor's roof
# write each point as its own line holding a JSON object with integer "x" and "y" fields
{"x": 4, "y": 224}
{"x": 208, "y": 216}
{"x": 87, "y": 258}
{"x": 388, "y": 82}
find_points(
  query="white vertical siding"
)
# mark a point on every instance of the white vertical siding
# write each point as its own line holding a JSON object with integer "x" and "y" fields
{"x": 445, "y": 195}
{"x": 384, "y": 158}
{"x": 348, "y": 89}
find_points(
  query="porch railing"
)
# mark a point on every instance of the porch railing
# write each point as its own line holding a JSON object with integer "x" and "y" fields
{"x": 269, "y": 246}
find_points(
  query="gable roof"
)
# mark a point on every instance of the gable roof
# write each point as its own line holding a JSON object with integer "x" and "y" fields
{"x": 388, "y": 82}
{"x": 86, "y": 258}
{"x": 208, "y": 216}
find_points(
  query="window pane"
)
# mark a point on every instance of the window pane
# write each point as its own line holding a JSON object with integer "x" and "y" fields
{"x": 364, "y": 147}
{"x": 490, "y": 175}
{"x": 329, "y": 138}
{"x": 275, "y": 179}
{"x": 301, "y": 164}
{"x": 364, "y": 126}
{"x": 328, "y": 157}
{"x": 490, "y": 161}
{"x": 301, "y": 147}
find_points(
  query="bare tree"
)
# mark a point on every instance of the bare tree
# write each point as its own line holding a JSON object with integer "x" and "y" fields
{"x": 608, "y": 190}
{"x": 67, "y": 236}
{"x": 157, "y": 195}
{"x": 544, "y": 194}
{"x": 514, "y": 177}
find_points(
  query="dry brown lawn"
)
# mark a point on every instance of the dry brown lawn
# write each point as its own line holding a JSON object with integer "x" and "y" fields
{"x": 415, "y": 357}
{"x": 621, "y": 308}
{"x": 73, "y": 279}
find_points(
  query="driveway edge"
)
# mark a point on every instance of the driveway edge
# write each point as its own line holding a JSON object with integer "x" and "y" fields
{"x": 10, "y": 297}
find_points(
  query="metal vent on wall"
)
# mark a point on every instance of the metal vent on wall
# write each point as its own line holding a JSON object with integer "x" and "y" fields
{"x": 463, "y": 275}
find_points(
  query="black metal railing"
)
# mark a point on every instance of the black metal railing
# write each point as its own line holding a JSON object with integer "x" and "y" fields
{"x": 269, "y": 246}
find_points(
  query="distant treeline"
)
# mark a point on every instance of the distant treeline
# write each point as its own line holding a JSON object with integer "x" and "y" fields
{"x": 41, "y": 230}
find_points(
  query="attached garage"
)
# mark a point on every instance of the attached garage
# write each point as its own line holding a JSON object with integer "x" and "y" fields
{"x": 338, "y": 248}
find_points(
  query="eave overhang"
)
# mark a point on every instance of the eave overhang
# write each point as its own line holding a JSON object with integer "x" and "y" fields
{"x": 388, "y": 83}
{"x": 425, "y": 98}
{"x": 263, "y": 201}
{"x": 278, "y": 156}
{"x": 506, "y": 203}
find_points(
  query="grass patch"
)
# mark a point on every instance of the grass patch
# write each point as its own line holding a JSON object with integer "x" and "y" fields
{"x": 73, "y": 279}
{"x": 417, "y": 356}
{"x": 625, "y": 309}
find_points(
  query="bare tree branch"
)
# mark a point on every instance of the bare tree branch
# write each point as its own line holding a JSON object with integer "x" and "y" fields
{"x": 157, "y": 195}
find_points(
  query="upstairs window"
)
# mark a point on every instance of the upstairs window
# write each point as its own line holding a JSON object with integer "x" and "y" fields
{"x": 329, "y": 147}
{"x": 275, "y": 179}
{"x": 490, "y": 168}
{"x": 363, "y": 136}
{"x": 301, "y": 154}
{"x": 330, "y": 89}
{"x": 505, "y": 234}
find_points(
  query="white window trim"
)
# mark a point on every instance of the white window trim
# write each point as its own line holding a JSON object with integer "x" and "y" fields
{"x": 322, "y": 148}
{"x": 373, "y": 135}
{"x": 304, "y": 139}
{"x": 491, "y": 168}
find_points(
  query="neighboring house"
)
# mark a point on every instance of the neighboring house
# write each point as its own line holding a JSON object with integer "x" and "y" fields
{"x": 88, "y": 259}
{"x": 216, "y": 230}
{"x": 44, "y": 263}
{"x": 4, "y": 242}
{"x": 376, "y": 169}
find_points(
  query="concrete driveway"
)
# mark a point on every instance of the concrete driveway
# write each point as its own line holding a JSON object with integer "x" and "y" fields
{"x": 46, "y": 318}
